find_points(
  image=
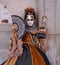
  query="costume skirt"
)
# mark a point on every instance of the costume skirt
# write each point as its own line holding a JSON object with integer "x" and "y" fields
{"x": 31, "y": 56}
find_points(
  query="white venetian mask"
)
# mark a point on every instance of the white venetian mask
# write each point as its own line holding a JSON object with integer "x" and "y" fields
{"x": 30, "y": 20}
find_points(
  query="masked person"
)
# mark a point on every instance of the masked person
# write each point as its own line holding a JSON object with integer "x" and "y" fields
{"x": 30, "y": 55}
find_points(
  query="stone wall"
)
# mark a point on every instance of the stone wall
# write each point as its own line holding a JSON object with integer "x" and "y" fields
{"x": 51, "y": 9}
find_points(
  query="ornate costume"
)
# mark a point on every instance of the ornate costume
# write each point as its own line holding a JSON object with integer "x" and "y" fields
{"x": 31, "y": 55}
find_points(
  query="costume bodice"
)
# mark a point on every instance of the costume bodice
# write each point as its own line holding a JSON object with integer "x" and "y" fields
{"x": 27, "y": 38}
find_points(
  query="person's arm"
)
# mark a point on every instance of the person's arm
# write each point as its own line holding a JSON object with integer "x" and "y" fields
{"x": 44, "y": 42}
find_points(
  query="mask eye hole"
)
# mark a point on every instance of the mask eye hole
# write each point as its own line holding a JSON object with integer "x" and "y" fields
{"x": 28, "y": 19}
{"x": 31, "y": 19}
